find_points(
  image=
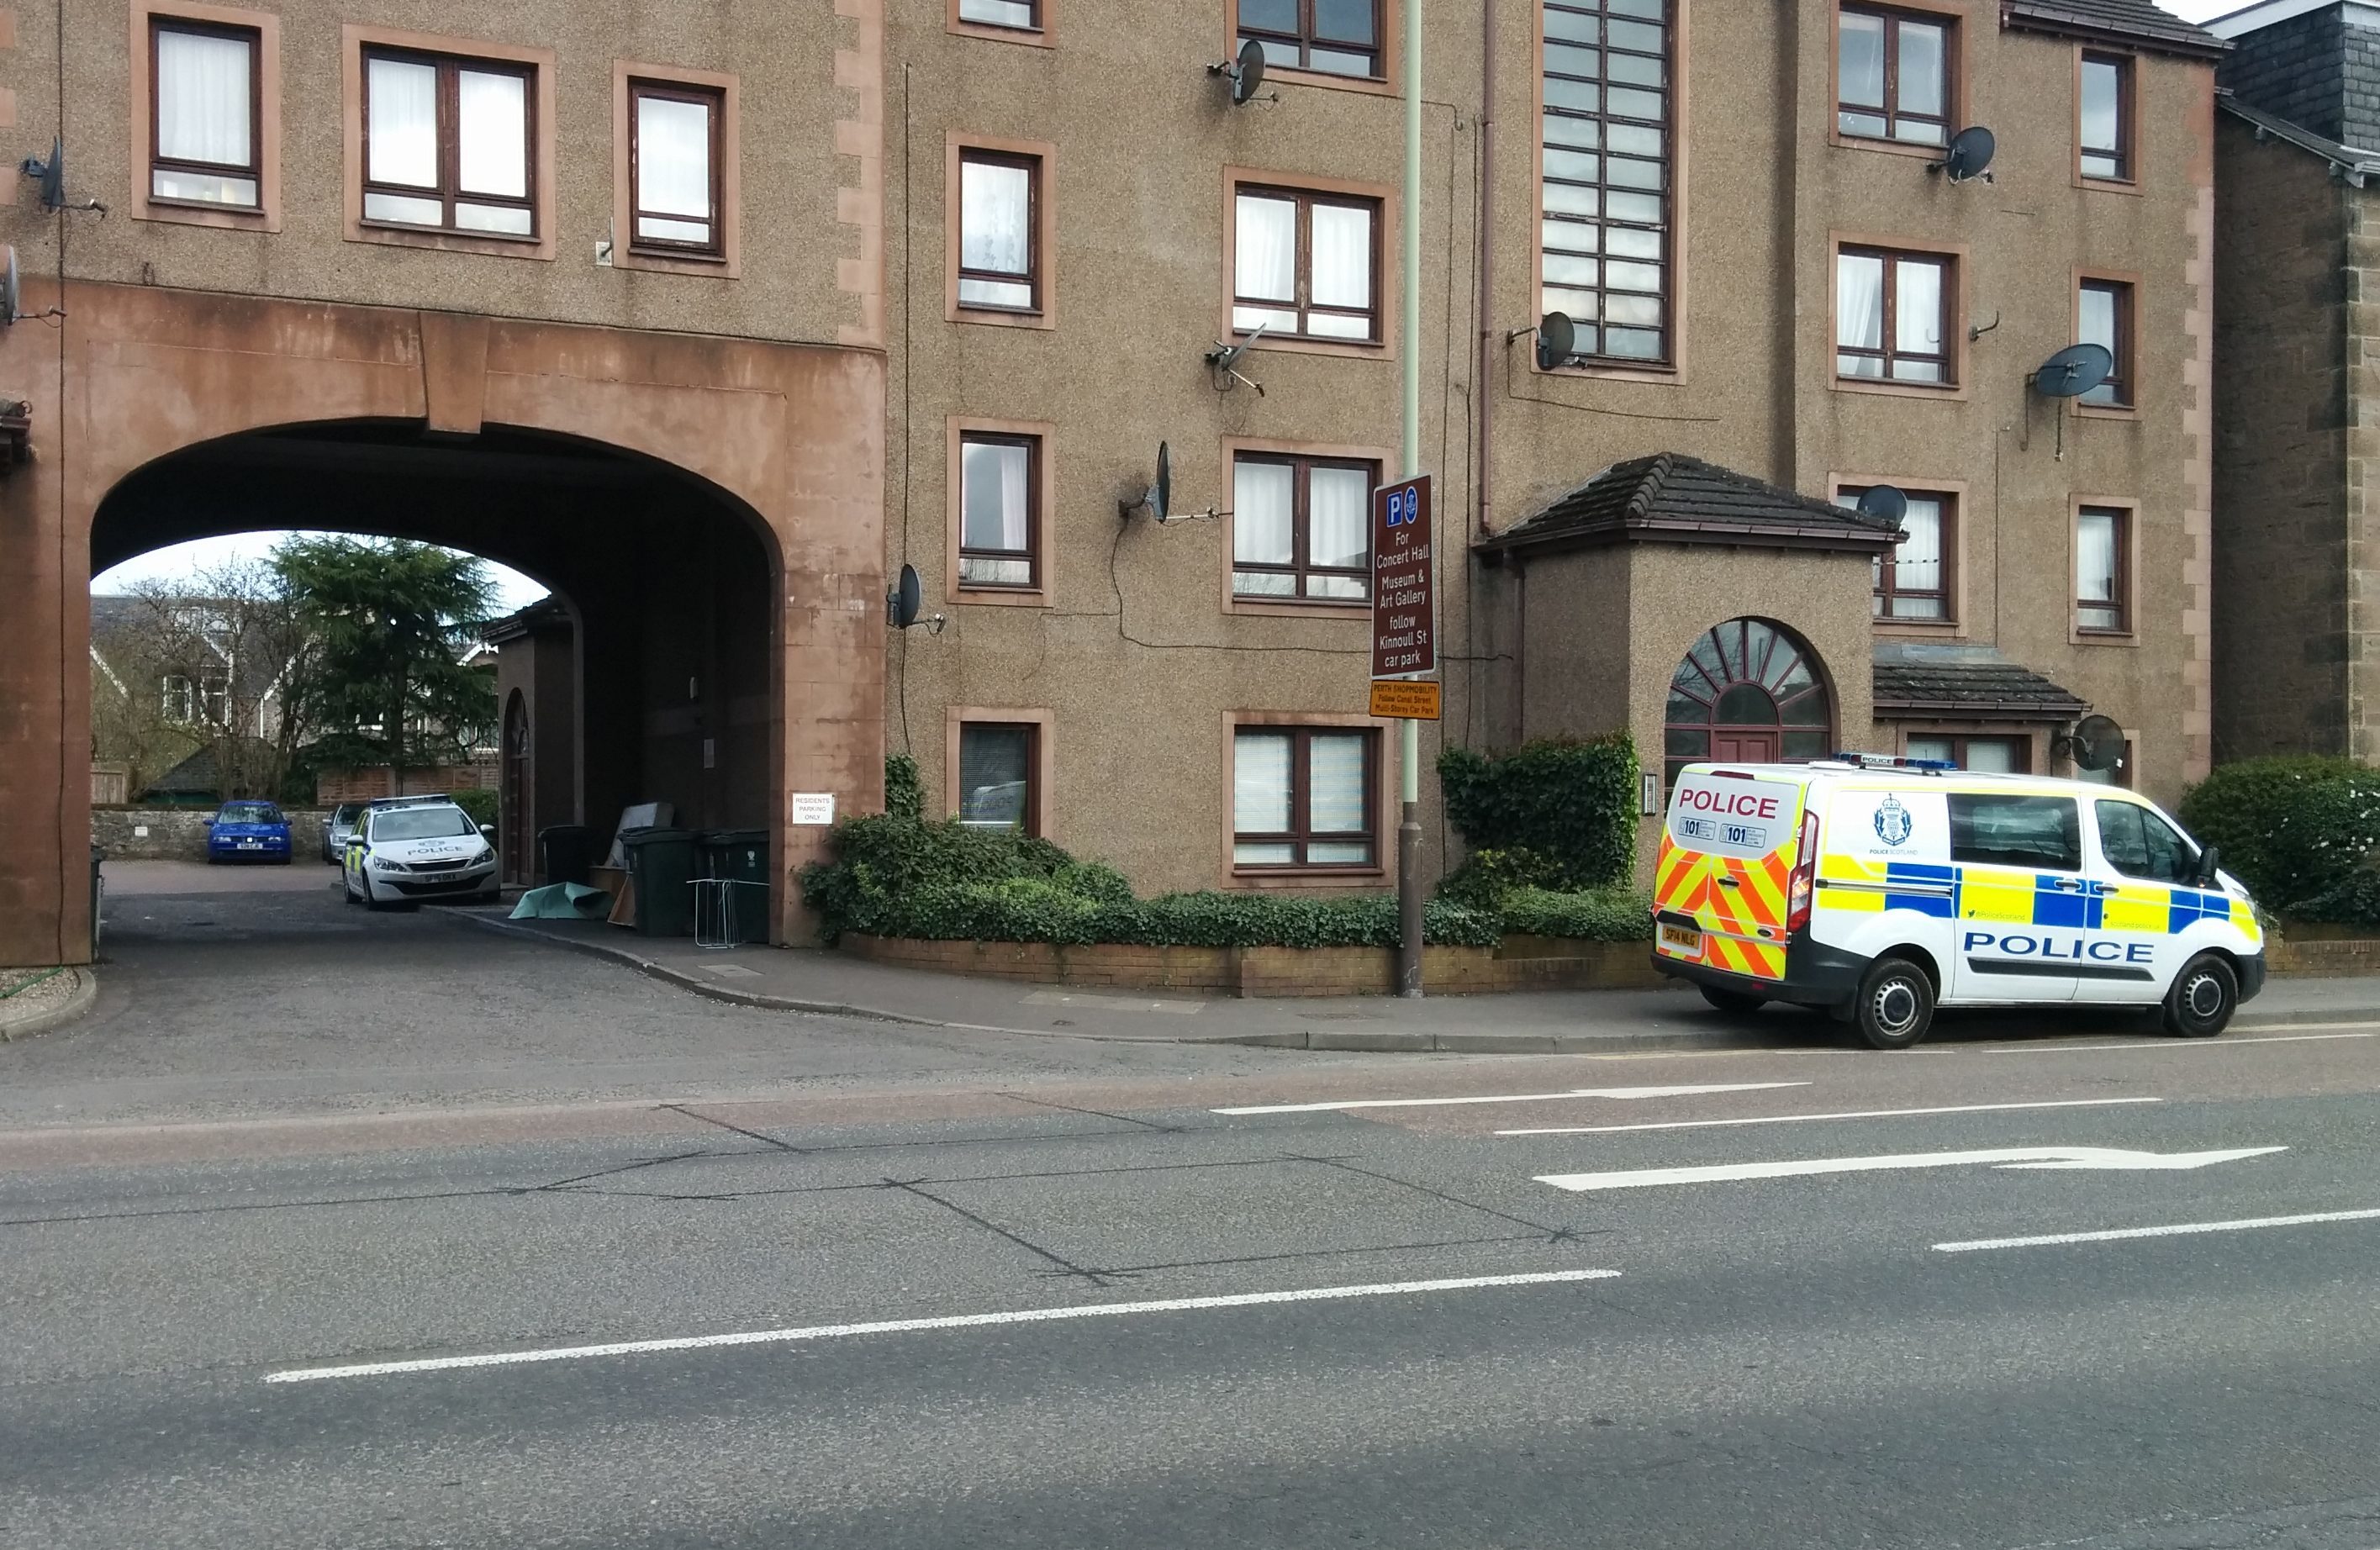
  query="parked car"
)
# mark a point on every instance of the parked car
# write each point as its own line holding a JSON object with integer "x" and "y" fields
{"x": 408, "y": 849}
{"x": 248, "y": 831}
{"x": 339, "y": 828}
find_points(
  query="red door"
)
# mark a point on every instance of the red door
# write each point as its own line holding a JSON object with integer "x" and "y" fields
{"x": 1740, "y": 745}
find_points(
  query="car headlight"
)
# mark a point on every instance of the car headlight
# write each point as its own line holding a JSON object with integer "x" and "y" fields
{"x": 382, "y": 864}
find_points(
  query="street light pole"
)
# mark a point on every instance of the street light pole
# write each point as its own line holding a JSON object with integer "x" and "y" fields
{"x": 1409, "y": 900}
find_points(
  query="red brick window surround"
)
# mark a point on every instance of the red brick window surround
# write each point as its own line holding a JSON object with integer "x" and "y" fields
{"x": 1305, "y": 798}
{"x": 203, "y": 104}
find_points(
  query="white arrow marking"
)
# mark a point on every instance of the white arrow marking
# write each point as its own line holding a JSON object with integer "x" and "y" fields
{"x": 2111, "y": 1158}
{"x": 1512, "y": 1097}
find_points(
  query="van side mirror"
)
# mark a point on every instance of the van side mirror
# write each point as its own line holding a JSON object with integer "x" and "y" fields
{"x": 2210, "y": 862}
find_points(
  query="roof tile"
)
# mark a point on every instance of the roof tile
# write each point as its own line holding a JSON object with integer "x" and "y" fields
{"x": 1674, "y": 496}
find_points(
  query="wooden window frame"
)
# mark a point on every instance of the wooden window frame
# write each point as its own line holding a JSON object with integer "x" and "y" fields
{"x": 958, "y": 429}
{"x": 2127, "y": 120}
{"x": 1384, "y": 284}
{"x": 727, "y": 183}
{"x": 449, "y": 190}
{"x": 1390, "y": 51}
{"x": 1954, "y": 308}
{"x": 1951, "y": 18}
{"x": 2127, "y": 341}
{"x": 1032, "y": 554}
{"x": 1041, "y": 157}
{"x": 264, "y": 143}
{"x": 713, "y": 99}
{"x": 1301, "y": 466}
{"x": 253, "y": 169}
{"x": 2028, "y": 755}
{"x": 1671, "y": 361}
{"x": 1042, "y": 33}
{"x": 356, "y": 41}
{"x": 2126, "y": 602}
{"x": 1952, "y": 499}
{"x": 1301, "y": 833}
{"x": 1041, "y": 811}
{"x": 1305, "y": 40}
{"x": 1306, "y": 198}
{"x": 1233, "y": 447}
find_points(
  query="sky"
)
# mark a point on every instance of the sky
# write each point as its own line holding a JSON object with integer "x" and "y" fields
{"x": 516, "y": 590}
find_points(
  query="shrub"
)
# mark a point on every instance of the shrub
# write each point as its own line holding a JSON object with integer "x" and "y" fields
{"x": 2354, "y": 901}
{"x": 1607, "y": 916}
{"x": 481, "y": 802}
{"x": 2292, "y": 829}
{"x": 1571, "y": 802}
{"x": 905, "y": 794}
{"x": 1487, "y": 877}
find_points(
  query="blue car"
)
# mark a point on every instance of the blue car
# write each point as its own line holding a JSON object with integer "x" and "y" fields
{"x": 248, "y": 831}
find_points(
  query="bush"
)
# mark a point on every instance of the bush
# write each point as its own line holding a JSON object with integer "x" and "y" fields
{"x": 2295, "y": 828}
{"x": 1608, "y": 915}
{"x": 481, "y": 802}
{"x": 2354, "y": 901}
{"x": 884, "y": 862}
{"x": 1570, "y": 803}
{"x": 905, "y": 794}
{"x": 1488, "y": 876}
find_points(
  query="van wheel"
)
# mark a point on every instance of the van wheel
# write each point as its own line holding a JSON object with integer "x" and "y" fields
{"x": 1732, "y": 1002}
{"x": 2203, "y": 997}
{"x": 1895, "y": 1006}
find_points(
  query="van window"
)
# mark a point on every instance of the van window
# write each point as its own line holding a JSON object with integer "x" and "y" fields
{"x": 2035, "y": 831}
{"x": 2138, "y": 844}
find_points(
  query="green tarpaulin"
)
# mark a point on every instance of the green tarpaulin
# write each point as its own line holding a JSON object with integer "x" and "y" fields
{"x": 563, "y": 901}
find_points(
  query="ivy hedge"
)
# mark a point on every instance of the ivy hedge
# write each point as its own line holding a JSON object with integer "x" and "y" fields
{"x": 1559, "y": 814}
{"x": 2301, "y": 831}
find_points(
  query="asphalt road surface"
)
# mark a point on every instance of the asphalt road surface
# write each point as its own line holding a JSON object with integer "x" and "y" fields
{"x": 902, "y": 1290}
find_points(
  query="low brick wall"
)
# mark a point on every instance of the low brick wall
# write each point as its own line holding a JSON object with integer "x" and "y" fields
{"x": 2314, "y": 952}
{"x": 1523, "y": 963}
{"x": 180, "y": 833}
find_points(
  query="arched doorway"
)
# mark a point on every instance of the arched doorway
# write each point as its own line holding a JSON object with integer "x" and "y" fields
{"x": 1747, "y": 691}
{"x": 513, "y": 800}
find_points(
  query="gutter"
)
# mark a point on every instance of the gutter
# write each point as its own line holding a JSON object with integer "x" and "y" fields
{"x": 1484, "y": 259}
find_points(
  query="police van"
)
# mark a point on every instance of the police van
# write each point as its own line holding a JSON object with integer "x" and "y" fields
{"x": 1880, "y": 888}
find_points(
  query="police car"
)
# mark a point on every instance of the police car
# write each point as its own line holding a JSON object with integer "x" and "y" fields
{"x": 411, "y": 848}
{"x": 1880, "y": 888}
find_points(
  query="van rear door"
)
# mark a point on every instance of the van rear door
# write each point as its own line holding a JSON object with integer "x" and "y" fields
{"x": 1727, "y": 857}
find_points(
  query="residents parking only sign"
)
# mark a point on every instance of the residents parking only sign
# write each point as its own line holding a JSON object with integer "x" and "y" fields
{"x": 1405, "y": 615}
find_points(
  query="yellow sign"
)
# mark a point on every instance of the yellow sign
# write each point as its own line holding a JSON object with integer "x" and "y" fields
{"x": 1405, "y": 699}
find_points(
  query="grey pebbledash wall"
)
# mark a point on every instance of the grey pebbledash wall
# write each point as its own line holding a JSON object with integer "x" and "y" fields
{"x": 180, "y": 834}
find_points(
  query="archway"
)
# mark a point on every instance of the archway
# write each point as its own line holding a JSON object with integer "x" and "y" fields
{"x": 1749, "y": 691}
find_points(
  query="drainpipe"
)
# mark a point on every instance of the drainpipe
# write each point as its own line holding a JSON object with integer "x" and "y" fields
{"x": 1483, "y": 261}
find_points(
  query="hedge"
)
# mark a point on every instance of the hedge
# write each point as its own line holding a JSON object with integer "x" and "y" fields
{"x": 2298, "y": 830}
{"x": 1556, "y": 813}
{"x": 1607, "y": 916}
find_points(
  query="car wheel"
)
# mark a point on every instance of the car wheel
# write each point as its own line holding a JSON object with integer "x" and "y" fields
{"x": 372, "y": 900}
{"x": 1895, "y": 1006}
{"x": 2203, "y": 997}
{"x": 1733, "y": 1001}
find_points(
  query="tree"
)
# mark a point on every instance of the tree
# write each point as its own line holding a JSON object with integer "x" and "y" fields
{"x": 394, "y": 620}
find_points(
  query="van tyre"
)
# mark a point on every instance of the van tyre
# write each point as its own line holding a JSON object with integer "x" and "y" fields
{"x": 1734, "y": 1002}
{"x": 2203, "y": 997}
{"x": 1895, "y": 1006}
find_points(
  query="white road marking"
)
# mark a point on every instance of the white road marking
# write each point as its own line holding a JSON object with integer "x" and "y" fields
{"x": 2167, "y": 1043}
{"x": 2180, "y": 1229}
{"x": 959, "y": 1320}
{"x": 1512, "y": 1097}
{"x": 2045, "y": 1158}
{"x": 1846, "y": 1114}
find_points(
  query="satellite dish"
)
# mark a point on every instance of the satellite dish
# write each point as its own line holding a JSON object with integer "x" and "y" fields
{"x": 1969, "y": 155}
{"x": 1224, "y": 361}
{"x": 52, "y": 173}
{"x": 902, "y": 603}
{"x": 2073, "y": 372}
{"x": 2098, "y": 744}
{"x": 10, "y": 295}
{"x": 1248, "y": 73}
{"x": 1885, "y": 503}
{"x": 1557, "y": 340}
{"x": 1158, "y": 499}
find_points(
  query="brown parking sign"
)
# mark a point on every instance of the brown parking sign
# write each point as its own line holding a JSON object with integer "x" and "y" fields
{"x": 1405, "y": 615}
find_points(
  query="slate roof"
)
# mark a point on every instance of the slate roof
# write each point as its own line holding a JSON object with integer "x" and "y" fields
{"x": 2140, "y": 24}
{"x": 1681, "y": 498}
{"x": 2353, "y": 165}
{"x": 2001, "y": 690}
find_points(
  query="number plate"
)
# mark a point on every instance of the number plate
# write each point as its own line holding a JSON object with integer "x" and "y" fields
{"x": 1684, "y": 938}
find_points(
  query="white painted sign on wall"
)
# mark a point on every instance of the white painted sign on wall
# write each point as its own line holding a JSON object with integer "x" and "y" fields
{"x": 812, "y": 807}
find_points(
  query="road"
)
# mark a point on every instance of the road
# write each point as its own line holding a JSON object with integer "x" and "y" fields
{"x": 1401, "y": 1301}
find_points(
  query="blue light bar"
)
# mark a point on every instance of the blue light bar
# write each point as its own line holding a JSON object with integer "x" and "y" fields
{"x": 1897, "y": 761}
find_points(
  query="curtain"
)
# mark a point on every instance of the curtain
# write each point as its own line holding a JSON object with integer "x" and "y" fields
{"x": 1260, "y": 783}
{"x": 1335, "y": 782}
{"x": 1264, "y": 261}
{"x": 1263, "y": 503}
{"x": 203, "y": 98}
{"x": 404, "y": 126}
{"x": 1918, "y": 562}
{"x": 673, "y": 160}
{"x": 493, "y": 119}
{"x": 992, "y": 487}
{"x": 1917, "y": 302}
{"x": 2095, "y": 558}
{"x": 1859, "y": 305}
{"x": 995, "y": 214}
{"x": 1339, "y": 503}
{"x": 1342, "y": 256}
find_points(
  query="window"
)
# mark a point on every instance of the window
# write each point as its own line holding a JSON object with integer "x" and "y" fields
{"x": 1301, "y": 528}
{"x": 2138, "y": 844}
{"x": 184, "y": 703}
{"x": 1303, "y": 797}
{"x": 178, "y": 701}
{"x": 673, "y": 168}
{"x": 206, "y": 115}
{"x": 2105, "y": 316}
{"x": 1303, "y": 264}
{"x": 447, "y": 143}
{"x": 1334, "y": 37}
{"x": 1023, "y": 15}
{"x": 1892, "y": 76}
{"x": 2104, "y": 117}
{"x": 2100, "y": 540}
{"x": 1893, "y": 317}
{"x": 1605, "y": 235}
{"x": 998, "y": 771}
{"x": 1000, "y": 501}
{"x": 998, "y": 232}
{"x": 2028, "y": 831}
{"x": 1994, "y": 756}
{"x": 1912, "y": 582}
{"x": 1746, "y": 691}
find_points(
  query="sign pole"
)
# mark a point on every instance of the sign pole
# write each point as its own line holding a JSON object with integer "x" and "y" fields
{"x": 1409, "y": 898}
